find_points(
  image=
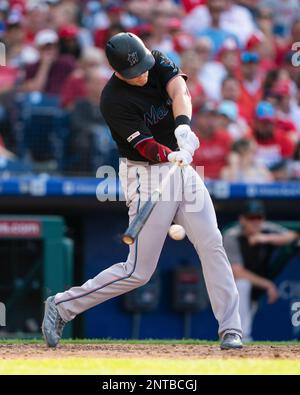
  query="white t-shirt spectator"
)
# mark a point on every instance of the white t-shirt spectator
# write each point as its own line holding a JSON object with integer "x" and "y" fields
{"x": 284, "y": 14}
{"x": 236, "y": 20}
{"x": 211, "y": 76}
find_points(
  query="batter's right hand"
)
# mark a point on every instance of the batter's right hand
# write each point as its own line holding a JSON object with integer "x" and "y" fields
{"x": 183, "y": 157}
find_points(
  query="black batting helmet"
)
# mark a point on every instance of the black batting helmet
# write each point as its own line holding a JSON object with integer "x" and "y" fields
{"x": 128, "y": 55}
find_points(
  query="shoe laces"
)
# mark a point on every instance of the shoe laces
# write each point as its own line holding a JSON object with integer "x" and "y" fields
{"x": 59, "y": 324}
{"x": 232, "y": 336}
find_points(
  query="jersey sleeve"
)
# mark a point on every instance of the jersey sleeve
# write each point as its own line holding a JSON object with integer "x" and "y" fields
{"x": 125, "y": 124}
{"x": 271, "y": 227}
{"x": 165, "y": 68}
{"x": 232, "y": 249}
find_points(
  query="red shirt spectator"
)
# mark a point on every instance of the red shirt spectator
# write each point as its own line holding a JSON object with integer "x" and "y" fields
{"x": 283, "y": 48}
{"x": 231, "y": 90}
{"x": 59, "y": 71}
{"x": 273, "y": 145}
{"x": 251, "y": 85}
{"x": 215, "y": 144}
{"x": 114, "y": 14}
{"x": 191, "y": 4}
{"x": 274, "y": 149}
{"x": 48, "y": 74}
{"x": 247, "y": 103}
{"x": 8, "y": 77}
{"x": 74, "y": 88}
{"x": 75, "y": 85}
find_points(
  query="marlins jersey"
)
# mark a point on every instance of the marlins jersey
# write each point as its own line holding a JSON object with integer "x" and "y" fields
{"x": 135, "y": 113}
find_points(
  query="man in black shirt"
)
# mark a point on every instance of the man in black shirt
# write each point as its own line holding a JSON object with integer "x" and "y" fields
{"x": 147, "y": 107}
{"x": 250, "y": 246}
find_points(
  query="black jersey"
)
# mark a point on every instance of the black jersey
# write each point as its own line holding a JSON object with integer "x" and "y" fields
{"x": 135, "y": 113}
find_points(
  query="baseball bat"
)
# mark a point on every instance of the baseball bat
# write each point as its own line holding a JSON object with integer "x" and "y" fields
{"x": 142, "y": 216}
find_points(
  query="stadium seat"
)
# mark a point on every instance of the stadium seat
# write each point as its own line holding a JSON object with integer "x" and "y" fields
{"x": 41, "y": 128}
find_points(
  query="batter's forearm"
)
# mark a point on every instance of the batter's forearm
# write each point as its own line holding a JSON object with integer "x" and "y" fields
{"x": 182, "y": 104}
{"x": 153, "y": 151}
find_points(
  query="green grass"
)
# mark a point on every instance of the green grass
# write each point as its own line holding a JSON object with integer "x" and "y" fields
{"x": 135, "y": 366}
{"x": 108, "y": 366}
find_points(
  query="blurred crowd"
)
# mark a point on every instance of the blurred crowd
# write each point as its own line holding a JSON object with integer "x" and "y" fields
{"x": 241, "y": 59}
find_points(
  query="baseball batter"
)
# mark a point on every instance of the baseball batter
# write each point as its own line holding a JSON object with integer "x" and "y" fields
{"x": 147, "y": 107}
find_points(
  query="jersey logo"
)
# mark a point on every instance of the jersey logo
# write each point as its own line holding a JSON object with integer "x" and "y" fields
{"x": 155, "y": 114}
{"x": 133, "y": 58}
{"x": 167, "y": 63}
{"x": 133, "y": 136}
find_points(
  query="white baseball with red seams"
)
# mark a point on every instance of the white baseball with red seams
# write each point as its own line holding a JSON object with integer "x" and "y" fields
{"x": 176, "y": 232}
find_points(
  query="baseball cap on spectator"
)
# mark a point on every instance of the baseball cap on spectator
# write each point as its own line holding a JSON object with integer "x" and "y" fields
{"x": 15, "y": 18}
{"x": 253, "y": 208}
{"x": 228, "y": 45}
{"x": 3, "y": 5}
{"x": 183, "y": 41}
{"x": 265, "y": 111}
{"x": 19, "y": 5}
{"x": 53, "y": 2}
{"x": 279, "y": 165}
{"x": 254, "y": 40}
{"x": 68, "y": 31}
{"x": 45, "y": 37}
{"x": 229, "y": 109}
{"x": 250, "y": 57}
{"x": 174, "y": 23}
{"x": 114, "y": 7}
{"x": 32, "y": 5}
{"x": 142, "y": 28}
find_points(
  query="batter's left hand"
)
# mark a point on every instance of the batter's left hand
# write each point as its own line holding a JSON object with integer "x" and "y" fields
{"x": 186, "y": 139}
{"x": 183, "y": 157}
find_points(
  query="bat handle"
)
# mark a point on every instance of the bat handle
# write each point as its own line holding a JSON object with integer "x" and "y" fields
{"x": 141, "y": 217}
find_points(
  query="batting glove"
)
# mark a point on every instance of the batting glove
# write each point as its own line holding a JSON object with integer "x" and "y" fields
{"x": 183, "y": 157}
{"x": 186, "y": 139}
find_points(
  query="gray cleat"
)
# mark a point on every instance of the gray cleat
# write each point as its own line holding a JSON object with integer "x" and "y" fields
{"x": 231, "y": 341}
{"x": 53, "y": 324}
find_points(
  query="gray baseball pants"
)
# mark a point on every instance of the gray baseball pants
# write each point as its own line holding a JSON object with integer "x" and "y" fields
{"x": 186, "y": 202}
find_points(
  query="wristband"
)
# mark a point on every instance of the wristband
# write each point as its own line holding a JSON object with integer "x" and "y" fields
{"x": 182, "y": 120}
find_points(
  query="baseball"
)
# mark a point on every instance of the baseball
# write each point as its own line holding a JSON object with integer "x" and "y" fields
{"x": 177, "y": 232}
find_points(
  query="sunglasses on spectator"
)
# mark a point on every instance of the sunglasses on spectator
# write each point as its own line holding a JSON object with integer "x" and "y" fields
{"x": 265, "y": 16}
{"x": 254, "y": 217}
{"x": 250, "y": 57}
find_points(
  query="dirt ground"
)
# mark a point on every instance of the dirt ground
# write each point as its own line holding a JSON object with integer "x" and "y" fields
{"x": 30, "y": 351}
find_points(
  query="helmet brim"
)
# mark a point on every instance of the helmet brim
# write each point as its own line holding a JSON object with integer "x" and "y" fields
{"x": 144, "y": 65}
